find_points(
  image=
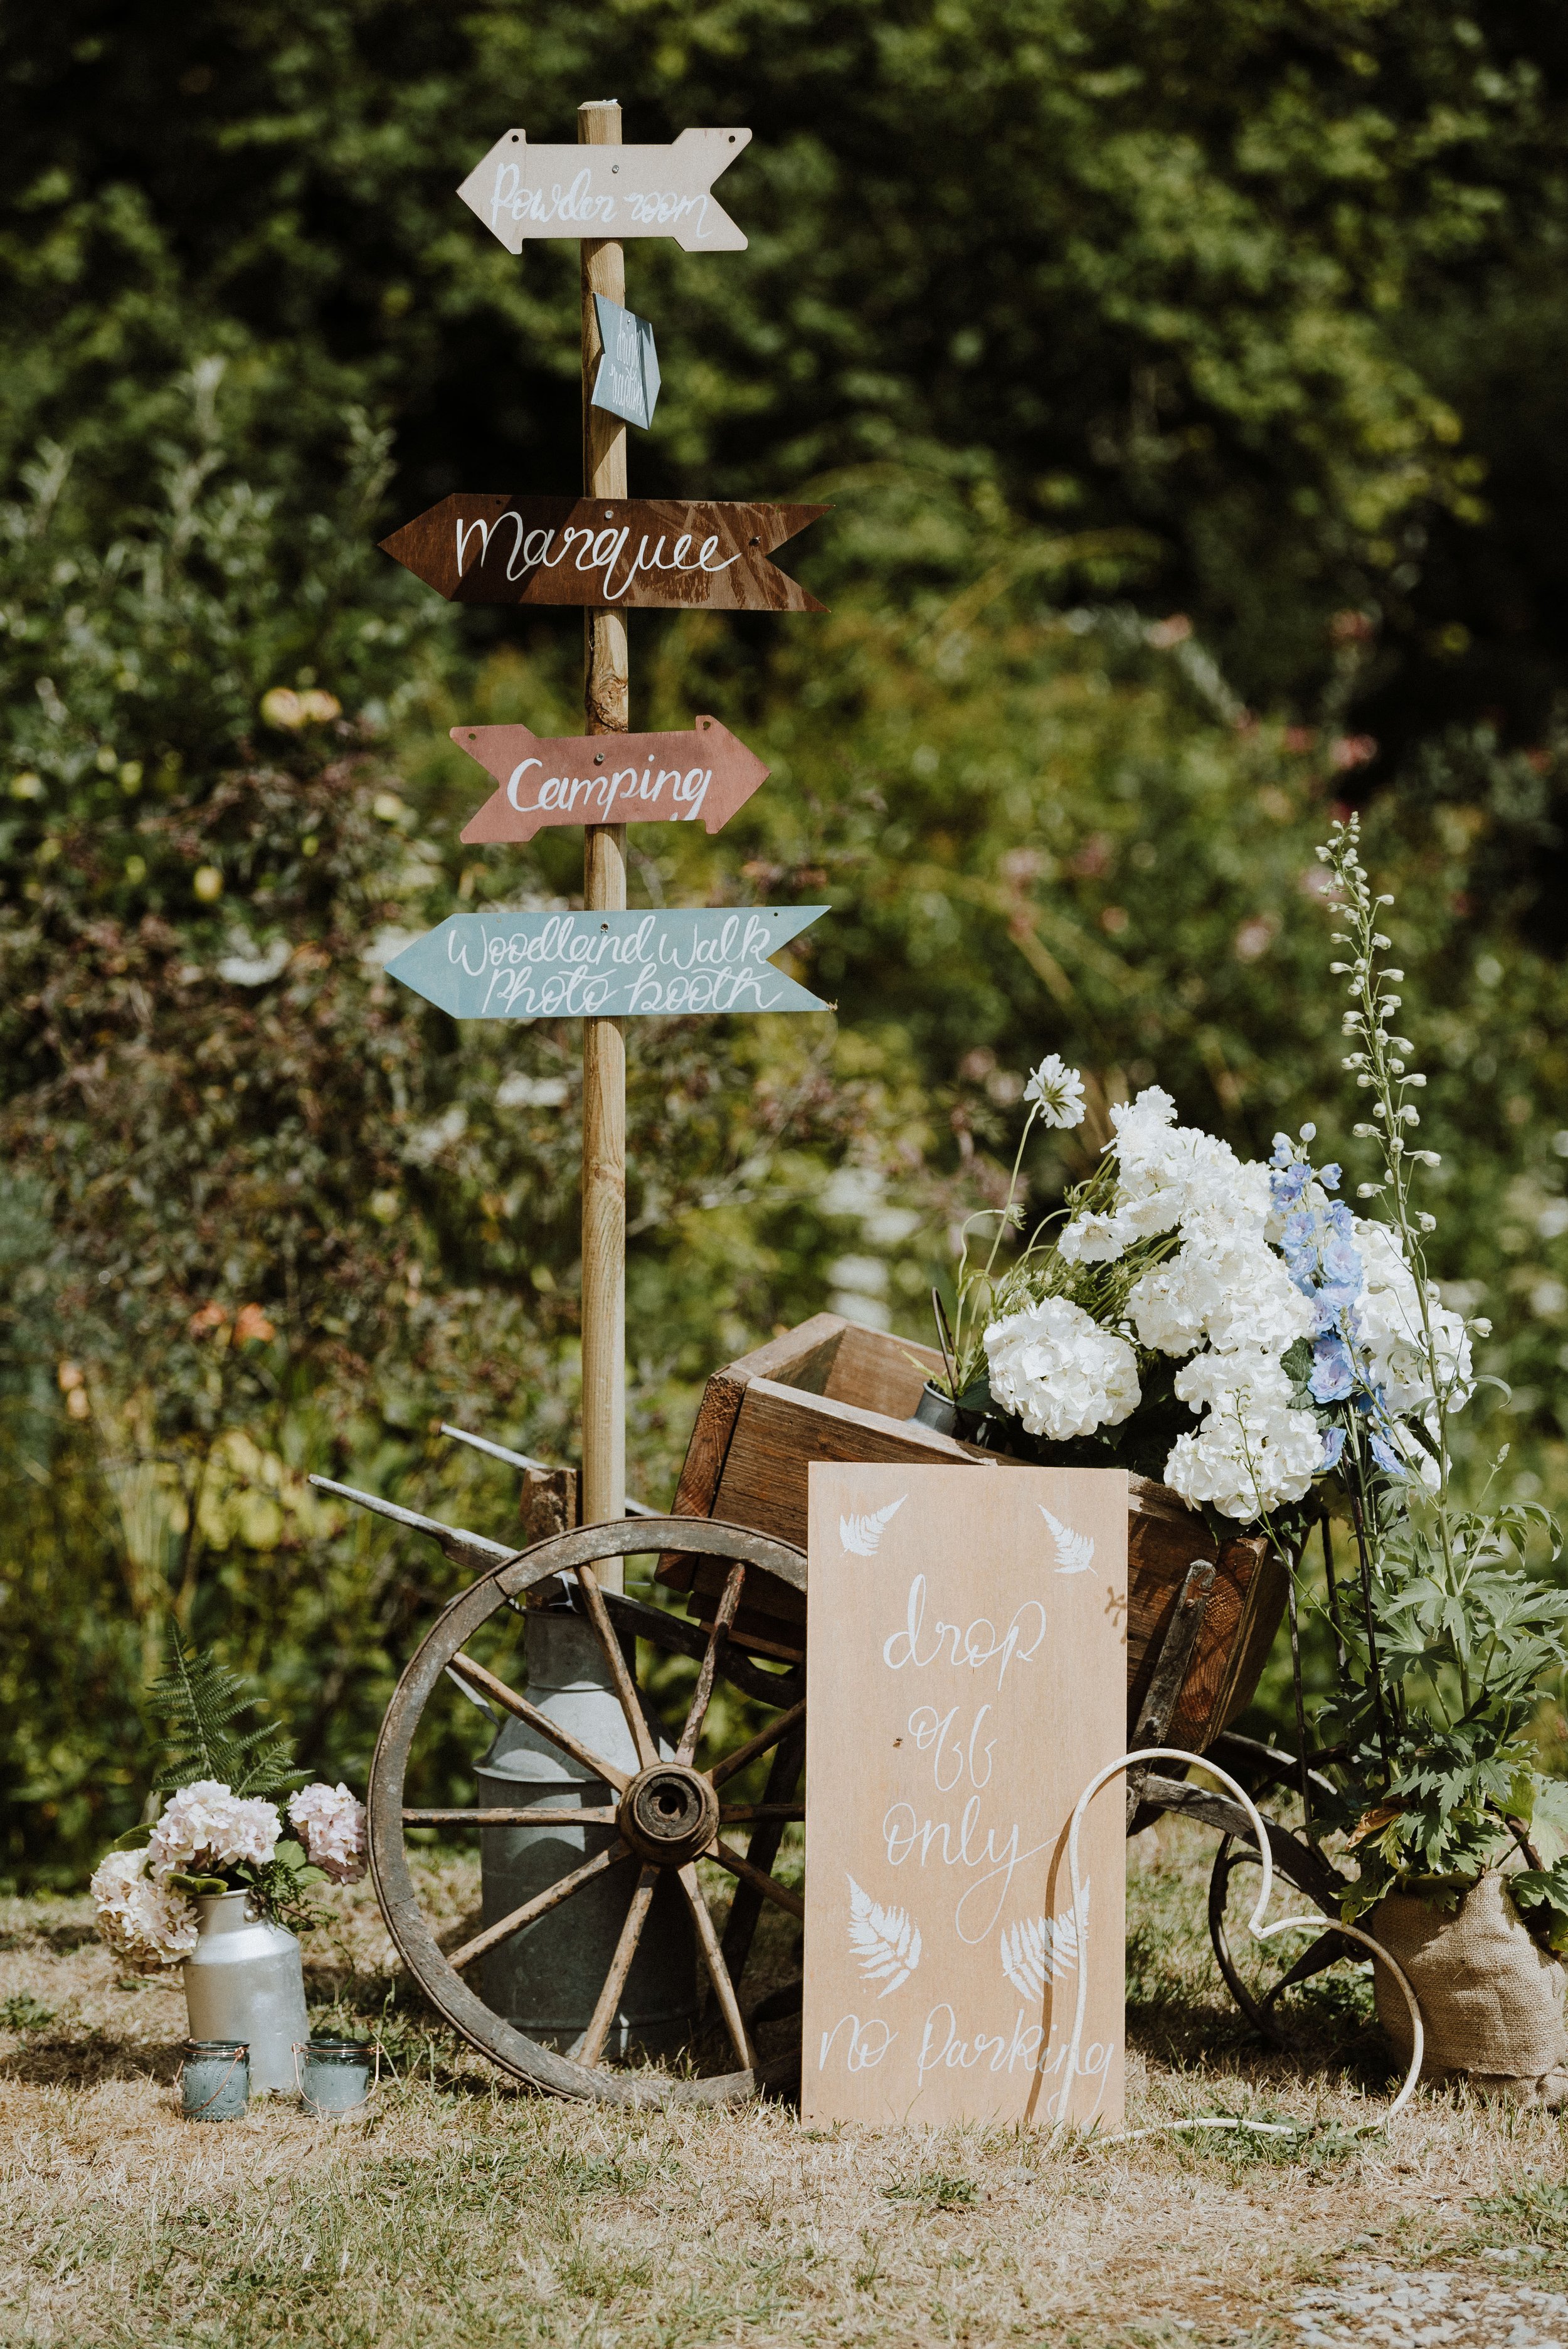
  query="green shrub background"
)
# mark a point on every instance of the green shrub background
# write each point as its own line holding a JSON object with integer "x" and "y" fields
{"x": 1187, "y": 383}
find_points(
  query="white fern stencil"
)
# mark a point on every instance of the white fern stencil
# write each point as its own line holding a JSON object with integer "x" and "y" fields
{"x": 886, "y": 1946}
{"x": 1075, "y": 1552}
{"x": 860, "y": 1536}
{"x": 1041, "y": 1949}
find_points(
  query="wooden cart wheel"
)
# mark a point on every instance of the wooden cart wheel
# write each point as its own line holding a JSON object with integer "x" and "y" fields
{"x": 667, "y": 1815}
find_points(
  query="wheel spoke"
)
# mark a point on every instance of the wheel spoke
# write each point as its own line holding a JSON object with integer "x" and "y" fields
{"x": 530, "y": 1818}
{"x": 539, "y": 1905}
{"x": 702, "y": 1695}
{"x": 735, "y": 1815}
{"x": 713, "y": 1958}
{"x": 509, "y": 1699}
{"x": 625, "y": 1687}
{"x": 763, "y": 1847}
{"x": 733, "y": 1763}
{"x": 591, "y": 2046}
{"x": 767, "y": 1886}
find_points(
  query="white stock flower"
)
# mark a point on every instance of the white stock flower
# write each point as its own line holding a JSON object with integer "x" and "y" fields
{"x": 1059, "y": 1372}
{"x": 205, "y": 1828}
{"x": 1251, "y": 1451}
{"x": 145, "y": 1926}
{"x": 331, "y": 1824}
{"x": 1058, "y": 1090}
{"x": 1389, "y": 1309}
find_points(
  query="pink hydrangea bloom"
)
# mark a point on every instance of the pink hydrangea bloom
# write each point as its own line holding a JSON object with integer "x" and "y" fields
{"x": 145, "y": 1926}
{"x": 204, "y": 1828}
{"x": 331, "y": 1825}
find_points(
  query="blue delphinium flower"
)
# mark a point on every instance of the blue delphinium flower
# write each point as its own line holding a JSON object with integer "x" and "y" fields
{"x": 1386, "y": 1456}
{"x": 1333, "y": 1368}
{"x": 1333, "y": 1447}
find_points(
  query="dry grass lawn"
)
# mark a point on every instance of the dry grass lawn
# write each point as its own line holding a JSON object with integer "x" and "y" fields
{"x": 463, "y": 2210}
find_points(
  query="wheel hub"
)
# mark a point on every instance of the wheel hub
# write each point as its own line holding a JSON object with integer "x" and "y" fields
{"x": 668, "y": 1814}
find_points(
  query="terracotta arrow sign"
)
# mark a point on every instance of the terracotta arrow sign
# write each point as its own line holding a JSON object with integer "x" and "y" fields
{"x": 608, "y": 778}
{"x": 622, "y": 966}
{"x": 518, "y": 191}
{"x": 495, "y": 549}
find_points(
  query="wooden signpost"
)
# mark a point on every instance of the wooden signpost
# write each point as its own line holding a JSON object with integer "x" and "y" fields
{"x": 609, "y": 966}
{"x": 966, "y": 1658}
{"x": 706, "y": 774}
{"x": 627, "y": 383}
{"x": 605, "y": 552}
{"x": 670, "y": 553}
{"x": 520, "y": 191}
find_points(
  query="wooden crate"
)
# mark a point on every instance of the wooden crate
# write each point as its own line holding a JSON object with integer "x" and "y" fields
{"x": 833, "y": 1390}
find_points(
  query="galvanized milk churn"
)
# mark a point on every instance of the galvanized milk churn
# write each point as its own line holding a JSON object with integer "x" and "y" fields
{"x": 243, "y": 1981}
{"x": 545, "y": 1979}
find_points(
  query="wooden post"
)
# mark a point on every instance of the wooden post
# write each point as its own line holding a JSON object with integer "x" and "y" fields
{"x": 606, "y": 704}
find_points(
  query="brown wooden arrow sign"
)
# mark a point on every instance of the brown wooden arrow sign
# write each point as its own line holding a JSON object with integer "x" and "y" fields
{"x": 608, "y": 778}
{"x": 494, "y": 549}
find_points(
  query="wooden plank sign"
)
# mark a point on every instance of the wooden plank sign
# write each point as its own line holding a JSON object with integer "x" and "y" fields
{"x": 489, "y": 548}
{"x": 967, "y": 1665}
{"x": 518, "y": 191}
{"x": 608, "y": 966}
{"x": 628, "y": 382}
{"x": 608, "y": 778}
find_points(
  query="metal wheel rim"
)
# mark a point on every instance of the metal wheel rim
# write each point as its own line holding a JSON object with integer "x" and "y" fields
{"x": 526, "y": 2058}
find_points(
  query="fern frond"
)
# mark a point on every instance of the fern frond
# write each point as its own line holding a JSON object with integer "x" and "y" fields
{"x": 196, "y": 1699}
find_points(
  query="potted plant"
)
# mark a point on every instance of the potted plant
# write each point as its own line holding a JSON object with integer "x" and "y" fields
{"x": 216, "y": 1883}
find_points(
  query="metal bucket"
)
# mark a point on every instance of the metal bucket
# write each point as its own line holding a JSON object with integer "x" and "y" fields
{"x": 334, "y": 2076}
{"x": 546, "y": 1979}
{"x": 214, "y": 2079}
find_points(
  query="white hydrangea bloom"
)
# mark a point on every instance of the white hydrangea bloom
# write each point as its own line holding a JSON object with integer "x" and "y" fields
{"x": 331, "y": 1825}
{"x": 1250, "y": 1451}
{"x": 204, "y": 1827}
{"x": 1168, "y": 1174}
{"x": 1223, "y": 1287}
{"x": 1055, "y": 1370}
{"x": 1390, "y": 1310}
{"x": 144, "y": 1925}
{"x": 1090, "y": 1240}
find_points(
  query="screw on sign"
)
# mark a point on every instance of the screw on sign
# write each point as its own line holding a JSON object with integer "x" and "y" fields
{"x": 675, "y": 778}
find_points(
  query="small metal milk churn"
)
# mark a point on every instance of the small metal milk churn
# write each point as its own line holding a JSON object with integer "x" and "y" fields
{"x": 244, "y": 1980}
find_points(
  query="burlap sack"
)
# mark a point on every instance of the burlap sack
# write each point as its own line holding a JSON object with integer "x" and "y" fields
{"x": 1491, "y": 1996}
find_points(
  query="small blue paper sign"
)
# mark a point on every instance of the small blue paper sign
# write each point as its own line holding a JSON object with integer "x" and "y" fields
{"x": 619, "y": 966}
{"x": 627, "y": 383}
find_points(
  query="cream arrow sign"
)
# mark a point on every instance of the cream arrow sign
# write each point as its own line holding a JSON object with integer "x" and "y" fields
{"x": 518, "y": 191}
{"x": 608, "y": 778}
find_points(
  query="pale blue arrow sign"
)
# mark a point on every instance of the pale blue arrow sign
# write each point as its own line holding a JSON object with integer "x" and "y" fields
{"x": 627, "y": 383}
{"x": 608, "y": 966}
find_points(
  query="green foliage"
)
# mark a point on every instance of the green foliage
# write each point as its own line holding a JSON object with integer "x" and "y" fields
{"x": 1268, "y": 293}
{"x": 196, "y": 1699}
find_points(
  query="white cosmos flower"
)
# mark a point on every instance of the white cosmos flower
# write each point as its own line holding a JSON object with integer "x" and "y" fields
{"x": 144, "y": 1925}
{"x": 1055, "y": 1368}
{"x": 1059, "y": 1091}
